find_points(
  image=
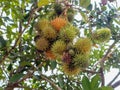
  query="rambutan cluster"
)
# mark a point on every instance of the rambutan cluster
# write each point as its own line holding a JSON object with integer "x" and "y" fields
{"x": 56, "y": 38}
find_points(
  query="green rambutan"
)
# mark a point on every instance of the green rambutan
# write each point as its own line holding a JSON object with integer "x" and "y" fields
{"x": 83, "y": 45}
{"x": 68, "y": 33}
{"x": 49, "y": 32}
{"x": 41, "y": 24}
{"x": 101, "y": 35}
{"x": 58, "y": 47}
{"x": 41, "y": 44}
{"x": 81, "y": 60}
{"x": 70, "y": 69}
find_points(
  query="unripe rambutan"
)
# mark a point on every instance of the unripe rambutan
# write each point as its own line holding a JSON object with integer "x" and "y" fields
{"x": 58, "y": 47}
{"x": 83, "y": 45}
{"x": 68, "y": 33}
{"x": 41, "y": 44}
{"x": 70, "y": 69}
{"x": 58, "y": 23}
{"x": 49, "y": 32}
{"x": 81, "y": 60}
{"x": 101, "y": 35}
{"x": 71, "y": 52}
{"x": 41, "y": 24}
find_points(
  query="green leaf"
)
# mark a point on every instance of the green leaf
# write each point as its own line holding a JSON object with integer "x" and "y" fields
{"x": 60, "y": 80}
{"x": 16, "y": 77}
{"x": 86, "y": 83}
{"x": 85, "y": 3}
{"x": 9, "y": 67}
{"x": 106, "y": 88}
{"x": 84, "y": 17}
{"x": 53, "y": 64}
{"x": 24, "y": 63}
{"x": 95, "y": 81}
{"x": 2, "y": 42}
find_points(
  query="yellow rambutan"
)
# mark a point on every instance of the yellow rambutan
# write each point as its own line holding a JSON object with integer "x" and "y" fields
{"x": 81, "y": 60}
{"x": 70, "y": 69}
{"x": 49, "y": 32}
{"x": 101, "y": 35}
{"x": 58, "y": 47}
{"x": 68, "y": 33}
{"x": 41, "y": 44}
{"x": 58, "y": 23}
{"x": 83, "y": 45}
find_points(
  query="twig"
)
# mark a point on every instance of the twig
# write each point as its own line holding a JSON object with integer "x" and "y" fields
{"x": 109, "y": 84}
{"x": 116, "y": 84}
{"x": 102, "y": 76}
{"x": 51, "y": 82}
{"x": 90, "y": 71}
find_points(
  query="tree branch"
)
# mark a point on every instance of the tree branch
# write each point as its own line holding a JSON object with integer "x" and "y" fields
{"x": 90, "y": 71}
{"x": 102, "y": 76}
{"x": 109, "y": 84}
{"x": 116, "y": 84}
{"x": 106, "y": 54}
{"x": 51, "y": 82}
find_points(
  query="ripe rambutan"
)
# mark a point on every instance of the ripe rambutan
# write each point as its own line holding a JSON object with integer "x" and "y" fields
{"x": 66, "y": 57}
{"x": 49, "y": 55}
{"x": 68, "y": 33}
{"x": 49, "y": 32}
{"x": 70, "y": 69}
{"x": 41, "y": 44}
{"x": 58, "y": 47}
{"x": 101, "y": 35}
{"x": 83, "y": 45}
{"x": 58, "y": 23}
{"x": 81, "y": 60}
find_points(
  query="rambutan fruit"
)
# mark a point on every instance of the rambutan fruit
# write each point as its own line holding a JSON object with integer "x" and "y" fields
{"x": 71, "y": 52}
{"x": 49, "y": 32}
{"x": 49, "y": 55}
{"x": 41, "y": 44}
{"x": 81, "y": 60}
{"x": 70, "y": 69}
{"x": 83, "y": 45}
{"x": 58, "y": 23}
{"x": 68, "y": 33}
{"x": 66, "y": 57}
{"x": 41, "y": 24}
{"x": 101, "y": 35}
{"x": 58, "y": 47}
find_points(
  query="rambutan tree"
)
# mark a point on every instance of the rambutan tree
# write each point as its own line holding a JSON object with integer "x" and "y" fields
{"x": 59, "y": 44}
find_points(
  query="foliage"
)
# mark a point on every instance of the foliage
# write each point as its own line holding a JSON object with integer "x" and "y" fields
{"x": 24, "y": 66}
